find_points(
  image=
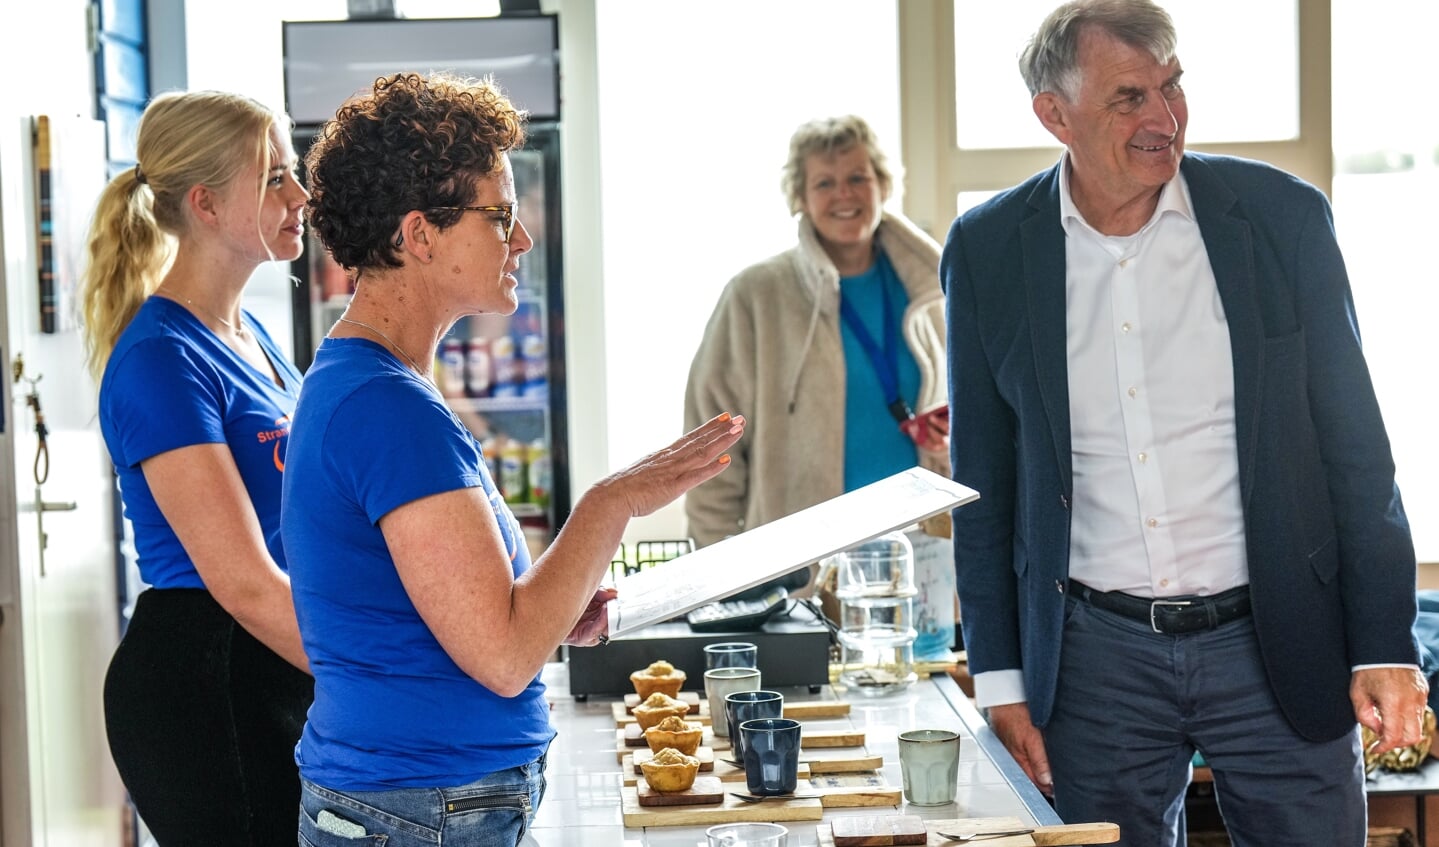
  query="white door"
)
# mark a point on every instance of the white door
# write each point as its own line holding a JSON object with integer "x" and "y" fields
{"x": 57, "y": 590}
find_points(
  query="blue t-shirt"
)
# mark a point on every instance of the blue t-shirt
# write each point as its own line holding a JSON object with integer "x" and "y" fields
{"x": 171, "y": 383}
{"x": 874, "y": 445}
{"x": 392, "y": 709}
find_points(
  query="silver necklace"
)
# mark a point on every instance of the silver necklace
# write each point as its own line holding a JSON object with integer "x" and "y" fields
{"x": 398, "y": 348}
{"x": 240, "y": 330}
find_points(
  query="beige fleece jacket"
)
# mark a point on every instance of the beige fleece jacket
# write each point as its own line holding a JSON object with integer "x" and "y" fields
{"x": 772, "y": 352}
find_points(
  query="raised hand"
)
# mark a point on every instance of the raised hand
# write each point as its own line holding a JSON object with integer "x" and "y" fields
{"x": 661, "y": 477}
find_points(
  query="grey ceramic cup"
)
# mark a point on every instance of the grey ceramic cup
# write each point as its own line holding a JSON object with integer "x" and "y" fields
{"x": 744, "y": 706}
{"x": 731, "y": 654}
{"x": 929, "y": 766}
{"x": 771, "y": 755}
{"x": 722, "y": 682}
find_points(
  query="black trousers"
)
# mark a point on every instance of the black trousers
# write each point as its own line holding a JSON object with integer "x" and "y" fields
{"x": 202, "y": 721}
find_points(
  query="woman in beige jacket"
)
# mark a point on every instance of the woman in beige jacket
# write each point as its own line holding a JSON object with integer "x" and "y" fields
{"x": 819, "y": 395}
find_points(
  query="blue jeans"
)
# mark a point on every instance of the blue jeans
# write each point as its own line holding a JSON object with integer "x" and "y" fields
{"x": 491, "y": 812}
{"x": 1133, "y": 706}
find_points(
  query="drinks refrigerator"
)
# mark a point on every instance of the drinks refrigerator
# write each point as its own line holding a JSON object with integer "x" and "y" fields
{"x": 504, "y": 376}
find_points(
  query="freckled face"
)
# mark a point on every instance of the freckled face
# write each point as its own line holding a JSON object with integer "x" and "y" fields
{"x": 475, "y": 257}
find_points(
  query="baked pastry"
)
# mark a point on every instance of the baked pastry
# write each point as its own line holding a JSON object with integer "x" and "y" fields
{"x": 675, "y": 732}
{"x": 670, "y": 770}
{"x": 660, "y": 676}
{"x": 657, "y": 707}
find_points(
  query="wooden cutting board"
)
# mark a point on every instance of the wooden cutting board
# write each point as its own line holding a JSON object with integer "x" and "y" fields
{"x": 816, "y": 739}
{"x": 690, "y": 697}
{"x": 723, "y": 771}
{"x": 852, "y": 762}
{"x": 1044, "y": 836}
{"x": 878, "y": 831}
{"x": 728, "y": 810}
{"x": 623, "y": 718}
{"x": 639, "y": 757}
{"x": 706, "y": 789}
{"x": 631, "y": 736}
{"x": 848, "y": 791}
{"x": 801, "y": 709}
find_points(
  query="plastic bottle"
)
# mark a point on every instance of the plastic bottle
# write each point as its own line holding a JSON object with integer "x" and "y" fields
{"x": 539, "y": 473}
{"x": 452, "y": 361}
{"x": 512, "y": 472}
{"x": 477, "y": 367}
{"x": 490, "y": 451}
{"x": 534, "y": 368}
{"x": 506, "y": 368}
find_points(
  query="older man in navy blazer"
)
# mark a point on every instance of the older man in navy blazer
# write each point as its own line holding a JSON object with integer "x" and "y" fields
{"x": 1189, "y": 536}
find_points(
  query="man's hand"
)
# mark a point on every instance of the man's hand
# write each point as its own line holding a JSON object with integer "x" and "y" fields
{"x": 1390, "y": 701}
{"x": 1011, "y": 722}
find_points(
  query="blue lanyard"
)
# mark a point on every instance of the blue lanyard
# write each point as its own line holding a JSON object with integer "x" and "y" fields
{"x": 886, "y": 363}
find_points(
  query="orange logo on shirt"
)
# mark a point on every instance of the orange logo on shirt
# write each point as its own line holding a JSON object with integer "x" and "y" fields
{"x": 278, "y": 436}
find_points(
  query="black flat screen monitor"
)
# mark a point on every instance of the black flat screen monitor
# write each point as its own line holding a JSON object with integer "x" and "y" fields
{"x": 327, "y": 62}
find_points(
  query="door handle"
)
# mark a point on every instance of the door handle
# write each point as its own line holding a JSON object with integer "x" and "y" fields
{"x": 58, "y": 506}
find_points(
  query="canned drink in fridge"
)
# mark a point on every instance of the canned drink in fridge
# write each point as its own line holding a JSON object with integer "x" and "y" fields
{"x": 477, "y": 367}
{"x": 452, "y": 364}
{"x": 512, "y": 472}
{"x": 534, "y": 367}
{"x": 539, "y": 472}
{"x": 506, "y": 368}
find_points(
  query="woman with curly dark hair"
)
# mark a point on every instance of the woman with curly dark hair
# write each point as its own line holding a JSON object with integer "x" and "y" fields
{"x": 425, "y": 621}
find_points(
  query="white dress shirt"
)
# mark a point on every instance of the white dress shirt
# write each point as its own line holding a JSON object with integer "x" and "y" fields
{"x": 1156, "y": 506}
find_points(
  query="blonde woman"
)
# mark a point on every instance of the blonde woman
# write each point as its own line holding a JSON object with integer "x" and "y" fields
{"x": 207, "y": 692}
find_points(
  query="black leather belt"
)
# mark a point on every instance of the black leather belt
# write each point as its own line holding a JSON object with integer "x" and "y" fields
{"x": 1166, "y": 615}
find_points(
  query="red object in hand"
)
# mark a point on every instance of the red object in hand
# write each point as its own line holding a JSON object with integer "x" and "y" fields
{"x": 929, "y": 428}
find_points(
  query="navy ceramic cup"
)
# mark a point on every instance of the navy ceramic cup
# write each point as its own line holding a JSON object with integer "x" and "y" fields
{"x": 771, "y": 755}
{"x": 744, "y": 706}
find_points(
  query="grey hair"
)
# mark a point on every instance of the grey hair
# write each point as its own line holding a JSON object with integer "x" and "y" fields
{"x": 1050, "y": 61}
{"x": 830, "y": 135}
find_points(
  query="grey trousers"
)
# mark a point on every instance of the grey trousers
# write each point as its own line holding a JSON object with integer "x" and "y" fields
{"x": 1133, "y": 706}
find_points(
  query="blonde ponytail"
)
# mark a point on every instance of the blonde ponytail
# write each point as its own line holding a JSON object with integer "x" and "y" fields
{"x": 127, "y": 255}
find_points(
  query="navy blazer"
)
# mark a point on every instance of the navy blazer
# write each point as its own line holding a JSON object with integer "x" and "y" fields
{"x": 1331, "y": 562}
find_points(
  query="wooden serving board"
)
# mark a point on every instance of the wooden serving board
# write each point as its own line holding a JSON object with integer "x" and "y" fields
{"x": 801, "y": 709}
{"x": 706, "y": 790}
{"x": 854, "y": 790}
{"x": 639, "y": 757}
{"x": 632, "y": 736}
{"x": 855, "y": 762}
{"x": 878, "y": 831}
{"x": 623, "y": 718}
{"x": 724, "y": 771}
{"x": 831, "y": 738}
{"x": 690, "y": 697}
{"x": 728, "y": 810}
{"x": 1043, "y": 836}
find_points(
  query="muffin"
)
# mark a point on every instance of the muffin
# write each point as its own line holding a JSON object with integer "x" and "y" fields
{"x": 657, "y": 707}
{"x": 675, "y": 732}
{"x": 670, "y": 770}
{"x": 660, "y": 676}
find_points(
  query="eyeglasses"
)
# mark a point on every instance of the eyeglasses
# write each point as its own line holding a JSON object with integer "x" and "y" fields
{"x": 507, "y": 214}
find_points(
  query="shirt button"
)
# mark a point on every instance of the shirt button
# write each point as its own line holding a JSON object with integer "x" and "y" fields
{"x": 1124, "y": 263}
{"x": 1143, "y": 457}
{"x": 1124, "y": 327}
{"x": 1153, "y": 522}
{"x": 1133, "y": 392}
{"x": 1164, "y": 583}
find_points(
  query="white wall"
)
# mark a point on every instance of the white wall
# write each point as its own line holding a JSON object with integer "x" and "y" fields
{"x": 697, "y": 102}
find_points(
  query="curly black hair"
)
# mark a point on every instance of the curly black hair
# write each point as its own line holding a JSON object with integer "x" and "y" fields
{"x": 414, "y": 142}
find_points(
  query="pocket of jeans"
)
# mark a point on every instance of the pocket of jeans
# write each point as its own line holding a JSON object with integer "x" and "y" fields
{"x": 496, "y": 817}
{"x": 313, "y": 835}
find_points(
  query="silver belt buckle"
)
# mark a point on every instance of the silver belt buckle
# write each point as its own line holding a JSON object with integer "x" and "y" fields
{"x": 1156, "y": 603}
